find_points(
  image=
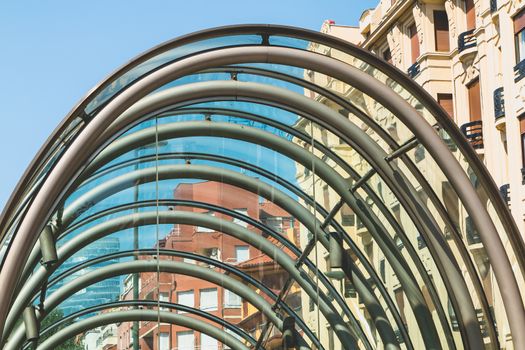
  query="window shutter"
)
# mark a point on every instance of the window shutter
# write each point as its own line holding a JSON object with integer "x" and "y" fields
{"x": 208, "y": 299}
{"x": 474, "y": 100}
{"x": 414, "y": 42}
{"x": 471, "y": 14}
{"x": 446, "y": 101}
{"x": 441, "y": 32}
{"x": 519, "y": 22}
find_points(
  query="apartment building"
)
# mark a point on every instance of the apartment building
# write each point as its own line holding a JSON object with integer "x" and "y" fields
{"x": 469, "y": 55}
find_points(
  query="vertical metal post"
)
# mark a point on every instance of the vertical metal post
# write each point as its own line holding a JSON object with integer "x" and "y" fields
{"x": 135, "y": 327}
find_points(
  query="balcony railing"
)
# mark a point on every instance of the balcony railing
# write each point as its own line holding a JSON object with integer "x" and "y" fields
{"x": 466, "y": 40}
{"x": 474, "y": 133}
{"x": 519, "y": 71}
{"x": 504, "y": 191}
{"x": 413, "y": 70}
{"x": 499, "y": 103}
{"x": 493, "y": 6}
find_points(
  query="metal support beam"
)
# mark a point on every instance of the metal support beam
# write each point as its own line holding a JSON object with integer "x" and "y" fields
{"x": 48, "y": 245}
{"x": 141, "y": 315}
{"x": 31, "y": 324}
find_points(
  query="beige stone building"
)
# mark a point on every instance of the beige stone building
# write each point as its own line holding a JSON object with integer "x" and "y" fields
{"x": 470, "y": 56}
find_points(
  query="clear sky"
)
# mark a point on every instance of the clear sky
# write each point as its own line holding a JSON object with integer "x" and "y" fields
{"x": 52, "y": 52}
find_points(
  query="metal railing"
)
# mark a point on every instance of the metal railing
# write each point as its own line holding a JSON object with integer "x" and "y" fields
{"x": 499, "y": 103}
{"x": 504, "y": 190}
{"x": 519, "y": 71}
{"x": 493, "y": 6}
{"x": 466, "y": 40}
{"x": 474, "y": 133}
{"x": 413, "y": 70}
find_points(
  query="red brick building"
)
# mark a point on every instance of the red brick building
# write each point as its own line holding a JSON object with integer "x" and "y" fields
{"x": 203, "y": 241}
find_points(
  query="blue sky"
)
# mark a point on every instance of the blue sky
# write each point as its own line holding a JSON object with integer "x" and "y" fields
{"x": 54, "y": 51}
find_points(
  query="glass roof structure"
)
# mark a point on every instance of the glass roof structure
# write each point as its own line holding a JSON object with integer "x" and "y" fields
{"x": 259, "y": 186}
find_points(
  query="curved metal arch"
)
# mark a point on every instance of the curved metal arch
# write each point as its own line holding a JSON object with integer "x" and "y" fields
{"x": 217, "y": 174}
{"x": 230, "y": 269}
{"x": 254, "y": 135}
{"x": 142, "y": 315}
{"x": 174, "y": 217}
{"x": 358, "y": 139}
{"x": 137, "y": 266}
{"x": 149, "y": 303}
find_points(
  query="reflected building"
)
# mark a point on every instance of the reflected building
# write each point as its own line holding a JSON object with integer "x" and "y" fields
{"x": 211, "y": 244}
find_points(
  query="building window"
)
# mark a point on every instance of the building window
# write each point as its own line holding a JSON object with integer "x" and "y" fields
{"x": 164, "y": 341}
{"x": 414, "y": 43}
{"x": 186, "y": 298}
{"x": 519, "y": 35}
{"x": 382, "y": 270}
{"x": 231, "y": 300}
{"x": 208, "y": 343}
{"x": 244, "y": 212}
{"x": 326, "y": 197}
{"x": 185, "y": 340}
{"x": 165, "y": 298}
{"x": 347, "y": 216}
{"x": 447, "y": 102}
{"x": 206, "y": 229}
{"x": 208, "y": 299}
{"x": 242, "y": 253}
{"x": 470, "y": 11}
{"x": 387, "y": 55}
{"x": 474, "y": 100}
{"x": 400, "y": 301}
{"x": 441, "y": 34}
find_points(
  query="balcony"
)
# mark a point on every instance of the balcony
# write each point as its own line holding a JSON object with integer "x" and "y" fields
{"x": 413, "y": 70}
{"x": 473, "y": 132}
{"x": 499, "y": 103}
{"x": 519, "y": 71}
{"x": 523, "y": 176}
{"x": 466, "y": 44}
{"x": 504, "y": 191}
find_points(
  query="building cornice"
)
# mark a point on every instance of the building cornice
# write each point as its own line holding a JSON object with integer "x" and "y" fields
{"x": 387, "y": 21}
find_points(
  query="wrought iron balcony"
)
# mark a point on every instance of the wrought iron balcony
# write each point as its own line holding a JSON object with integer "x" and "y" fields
{"x": 413, "y": 70}
{"x": 493, "y": 6}
{"x": 499, "y": 103}
{"x": 474, "y": 133}
{"x": 504, "y": 191}
{"x": 466, "y": 40}
{"x": 519, "y": 71}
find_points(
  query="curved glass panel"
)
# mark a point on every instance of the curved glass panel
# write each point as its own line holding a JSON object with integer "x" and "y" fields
{"x": 256, "y": 204}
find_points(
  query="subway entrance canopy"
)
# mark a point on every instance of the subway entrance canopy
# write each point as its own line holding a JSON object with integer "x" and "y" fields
{"x": 259, "y": 186}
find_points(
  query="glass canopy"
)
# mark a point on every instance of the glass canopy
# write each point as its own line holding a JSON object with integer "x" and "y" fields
{"x": 259, "y": 187}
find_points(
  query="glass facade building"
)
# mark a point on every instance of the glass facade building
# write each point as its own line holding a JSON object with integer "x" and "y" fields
{"x": 259, "y": 187}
